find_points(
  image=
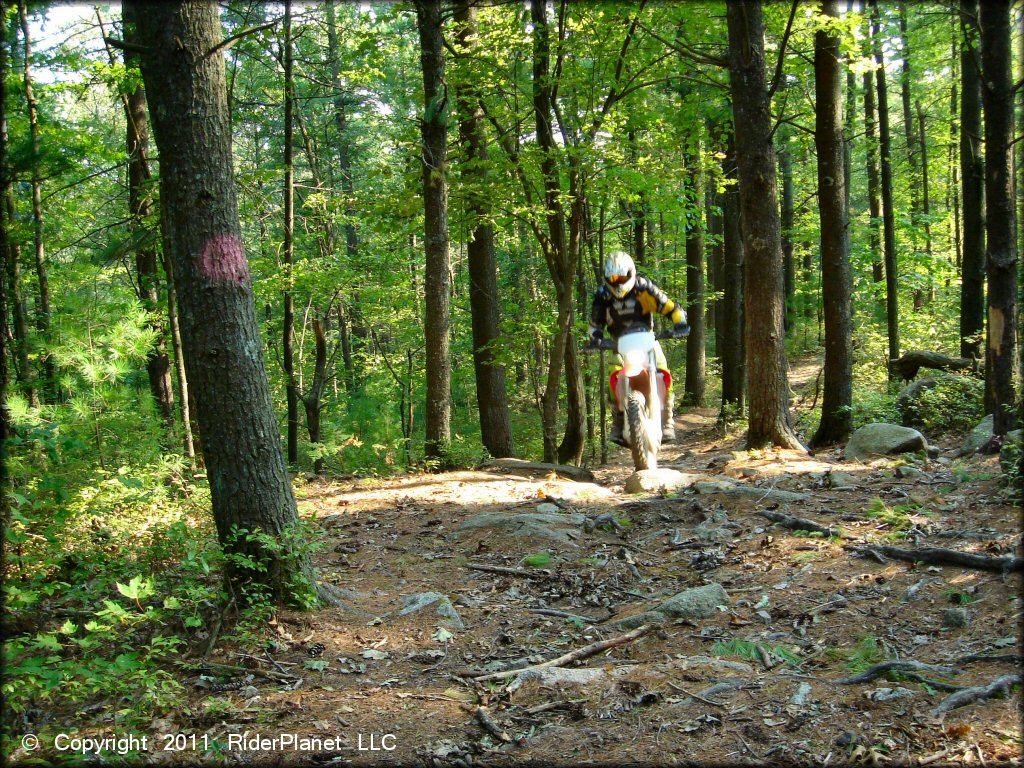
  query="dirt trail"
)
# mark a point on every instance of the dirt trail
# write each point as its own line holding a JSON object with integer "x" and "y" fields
{"x": 803, "y": 613}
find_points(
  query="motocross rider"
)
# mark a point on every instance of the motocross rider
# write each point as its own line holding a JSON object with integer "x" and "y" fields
{"x": 628, "y": 301}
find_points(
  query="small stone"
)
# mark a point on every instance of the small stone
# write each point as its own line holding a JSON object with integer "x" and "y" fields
{"x": 889, "y": 694}
{"x": 764, "y": 616}
{"x": 547, "y": 508}
{"x": 841, "y": 480}
{"x": 445, "y": 609}
{"x": 802, "y": 692}
{"x": 249, "y": 692}
{"x": 955, "y": 617}
{"x": 904, "y": 471}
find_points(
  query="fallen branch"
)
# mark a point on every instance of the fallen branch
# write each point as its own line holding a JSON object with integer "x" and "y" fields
{"x": 488, "y": 724}
{"x": 970, "y": 695}
{"x": 519, "y": 465}
{"x": 567, "y": 704}
{"x": 802, "y": 524}
{"x": 908, "y": 365}
{"x": 940, "y": 556}
{"x": 895, "y": 666}
{"x": 562, "y": 615}
{"x": 577, "y": 655}
{"x": 506, "y": 571}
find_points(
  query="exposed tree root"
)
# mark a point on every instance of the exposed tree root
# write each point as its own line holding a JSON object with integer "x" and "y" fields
{"x": 802, "y": 524}
{"x": 895, "y": 666}
{"x": 940, "y": 556}
{"x": 970, "y": 695}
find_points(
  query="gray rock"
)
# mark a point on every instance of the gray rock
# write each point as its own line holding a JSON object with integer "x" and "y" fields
{"x": 696, "y": 603}
{"x": 712, "y": 533}
{"x": 841, "y": 480}
{"x": 956, "y": 617}
{"x": 905, "y": 471}
{"x": 445, "y": 609}
{"x": 660, "y": 480}
{"x": 723, "y": 484}
{"x": 889, "y": 694}
{"x": 715, "y": 664}
{"x": 557, "y": 527}
{"x": 800, "y": 697}
{"x": 978, "y": 437}
{"x": 547, "y": 508}
{"x": 880, "y": 439}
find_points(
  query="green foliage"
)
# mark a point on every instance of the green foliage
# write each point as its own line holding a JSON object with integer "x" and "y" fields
{"x": 953, "y": 405}
{"x": 746, "y": 649}
{"x": 539, "y": 560}
{"x": 864, "y": 654}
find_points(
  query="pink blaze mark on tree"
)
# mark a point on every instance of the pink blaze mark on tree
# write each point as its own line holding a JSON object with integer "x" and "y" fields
{"x": 223, "y": 258}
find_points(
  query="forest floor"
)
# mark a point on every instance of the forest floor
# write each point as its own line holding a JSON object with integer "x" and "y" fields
{"x": 755, "y": 683}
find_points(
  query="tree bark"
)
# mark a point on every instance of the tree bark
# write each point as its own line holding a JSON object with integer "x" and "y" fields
{"x": 491, "y": 395}
{"x": 888, "y": 211}
{"x": 43, "y": 315}
{"x": 874, "y": 182}
{"x": 694, "y": 384}
{"x": 19, "y": 315}
{"x": 972, "y": 180}
{"x": 437, "y": 282}
{"x": 288, "y": 247}
{"x": 179, "y": 352}
{"x": 158, "y": 364}
{"x": 763, "y": 286}
{"x": 1001, "y": 231}
{"x": 249, "y": 484}
{"x": 788, "y": 216}
{"x": 734, "y": 372}
{"x": 312, "y": 401}
{"x": 837, "y": 403}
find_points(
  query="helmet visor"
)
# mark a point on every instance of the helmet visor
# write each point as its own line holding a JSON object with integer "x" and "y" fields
{"x": 618, "y": 279}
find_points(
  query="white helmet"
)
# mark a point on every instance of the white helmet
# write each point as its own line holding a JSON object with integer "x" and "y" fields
{"x": 619, "y": 273}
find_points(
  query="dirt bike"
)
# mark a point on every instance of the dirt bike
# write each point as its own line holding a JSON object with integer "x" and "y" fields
{"x": 632, "y": 387}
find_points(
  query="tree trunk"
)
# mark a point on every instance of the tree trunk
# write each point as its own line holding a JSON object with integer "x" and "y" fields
{"x": 694, "y": 385}
{"x": 49, "y": 384}
{"x": 716, "y": 262}
{"x": 491, "y": 396}
{"x": 788, "y": 264}
{"x": 179, "y": 353}
{"x": 888, "y": 212}
{"x": 23, "y": 368}
{"x": 837, "y": 402}
{"x": 731, "y": 339}
{"x": 1001, "y": 231}
{"x": 347, "y": 188}
{"x": 437, "y": 281}
{"x": 249, "y": 484}
{"x": 158, "y": 364}
{"x": 312, "y": 401}
{"x": 555, "y": 249}
{"x": 762, "y": 242}
{"x": 288, "y": 247}
{"x": 874, "y": 183}
{"x": 972, "y": 180}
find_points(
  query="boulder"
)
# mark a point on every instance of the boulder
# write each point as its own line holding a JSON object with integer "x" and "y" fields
{"x": 977, "y": 438}
{"x": 723, "y": 484}
{"x": 660, "y": 481}
{"x": 445, "y": 609}
{"x": 882, "y": 439}
{"x": 695, "y": 603}
{"x": 535, "y": 525}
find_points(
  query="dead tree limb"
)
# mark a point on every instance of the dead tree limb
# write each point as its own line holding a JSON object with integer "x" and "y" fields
{"x": 940, "y": 556}
{"x": 802, "y": 524}
{"x": 970, "y": 695}
{"x": 907, "y": 366}
{"x": 487, "y": 723}
{"x": 506, "y": 571}
{"x": 577, "y": 655}
{"x": 878, "y": 670}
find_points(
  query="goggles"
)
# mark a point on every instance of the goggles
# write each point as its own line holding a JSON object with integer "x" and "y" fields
{"x": 618, "y": 279}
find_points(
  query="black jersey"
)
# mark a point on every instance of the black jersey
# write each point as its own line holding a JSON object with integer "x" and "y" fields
{"x": 634, "y": 310}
